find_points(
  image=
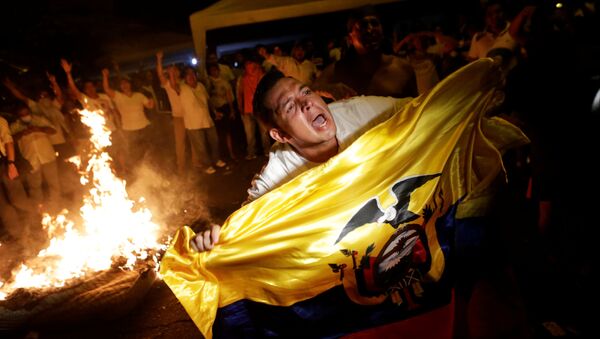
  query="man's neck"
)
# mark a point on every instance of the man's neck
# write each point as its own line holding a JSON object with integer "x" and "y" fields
{"x": 319, "y": 153}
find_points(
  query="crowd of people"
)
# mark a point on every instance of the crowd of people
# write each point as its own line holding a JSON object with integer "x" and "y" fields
{"x": 43, "y": 129}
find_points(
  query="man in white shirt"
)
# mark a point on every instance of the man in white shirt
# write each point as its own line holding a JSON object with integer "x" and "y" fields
{"x": 13, "y": 198}
{"x": 134, "y": 122}
{"x": 495, "y": 23}
{"x": 32, "y": 135}
{"x": 307, "y": 132}
{"x": 176, "y": 111}
{"x": 225, "y": 72}
{"x": 295, "y": 66}
{"x": 351, "y": 118}
{"x": 92, "y": 100}
{"x": 199, "y": 125}
{"x": 47, "y": 107}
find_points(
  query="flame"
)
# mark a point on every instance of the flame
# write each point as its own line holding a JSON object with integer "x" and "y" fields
{"x": 113, "y": 226}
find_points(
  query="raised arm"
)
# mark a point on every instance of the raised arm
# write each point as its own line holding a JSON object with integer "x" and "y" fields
{"x": 262, "y": 51}
{"x": 106, "y": 84}
{"x": 172, "y": 79}
{"x": 15, "y": 91}
{"x": 159, "y": 68}
{"x": 279, "y": 61}
{"x": 450, "y": 44}
{"x": 56, "y": 88}
{"x": 66, "y": 66}
{"x": 506, "y": 45}
{"x": 117, "y": 70}
{"x": 518, "y": 25}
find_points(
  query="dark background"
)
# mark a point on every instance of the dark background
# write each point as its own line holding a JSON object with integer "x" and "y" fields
{"x": 34, "y": 35}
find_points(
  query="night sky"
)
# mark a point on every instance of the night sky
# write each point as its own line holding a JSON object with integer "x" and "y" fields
{"x": 35, "y": 35}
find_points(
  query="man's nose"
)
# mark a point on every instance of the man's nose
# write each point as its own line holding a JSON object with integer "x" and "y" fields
{"x": 306, "y": 105}
{"x": 370, "y": 27}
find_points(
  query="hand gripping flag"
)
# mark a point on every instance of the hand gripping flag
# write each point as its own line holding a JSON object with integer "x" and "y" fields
{"x": 370, "y": 218}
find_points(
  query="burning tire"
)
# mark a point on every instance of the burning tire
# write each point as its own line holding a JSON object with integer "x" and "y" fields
{"x": 106, "y": 295}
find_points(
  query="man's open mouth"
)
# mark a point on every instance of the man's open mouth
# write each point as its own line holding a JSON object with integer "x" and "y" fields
{"x": 319, "y": 121}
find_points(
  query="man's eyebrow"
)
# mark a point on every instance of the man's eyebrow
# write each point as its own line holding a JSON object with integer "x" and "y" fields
{"x": 284, "y": 101}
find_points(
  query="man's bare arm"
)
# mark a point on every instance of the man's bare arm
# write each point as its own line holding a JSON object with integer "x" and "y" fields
{"x": 15, "y": 91}
{"x": 159, "y": 68}
{"x": 106, "y": 84}
{"x": 67, "y": 67}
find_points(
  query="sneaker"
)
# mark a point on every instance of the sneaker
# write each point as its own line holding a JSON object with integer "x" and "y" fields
{"x": 210, "y": 170}
{"x": 250, "y": 157}
{"x": 220, "y": 164}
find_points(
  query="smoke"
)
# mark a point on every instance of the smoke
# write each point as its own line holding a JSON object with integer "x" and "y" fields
{"x": 174, "y": 201}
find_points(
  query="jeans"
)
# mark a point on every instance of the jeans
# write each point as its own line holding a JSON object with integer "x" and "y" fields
{"x": 137, "y": 143}
{"x": 202, "y": 140}
{"x": 250, "y": 122}
{"x": 14, "y": 202}
{"x": 49, "y": 172}
{"x": 179, "y": 131}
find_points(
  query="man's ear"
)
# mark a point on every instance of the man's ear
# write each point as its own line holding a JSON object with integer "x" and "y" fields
{"x": 279, "y": 135}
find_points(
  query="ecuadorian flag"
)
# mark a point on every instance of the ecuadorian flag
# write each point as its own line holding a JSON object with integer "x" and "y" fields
{"x": 369, "y": 219}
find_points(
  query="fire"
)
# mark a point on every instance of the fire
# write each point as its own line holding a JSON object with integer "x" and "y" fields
{"x": 112, "y": 226}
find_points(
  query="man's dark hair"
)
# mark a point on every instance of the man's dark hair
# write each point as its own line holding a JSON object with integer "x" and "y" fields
{"x": 263, "y": 114}
{"x": 210, "y": 65}
{"x": 86, "y": 80}
{"x": 360, "y": 13}
{"x": 251, "y": 55}
{"x": 190, "y": 69}
{"x": 20, "y": 106}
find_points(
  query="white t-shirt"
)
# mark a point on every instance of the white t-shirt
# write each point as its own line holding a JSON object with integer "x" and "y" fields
{"x": 220, "y": 92}
{"x": 483, "y": 42}
{"x": 50, "y": 109}
{"x": 226, "y": 73}
{"x": 131, "y": 108}
{"x": 352, "y": 117}
{"x": 195, "y": 107}
{"x": 35, "y": 147}
{"x": 174, "y": 100}
{"x": 304, "y": 71}
{"x": 104, "y": 103}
